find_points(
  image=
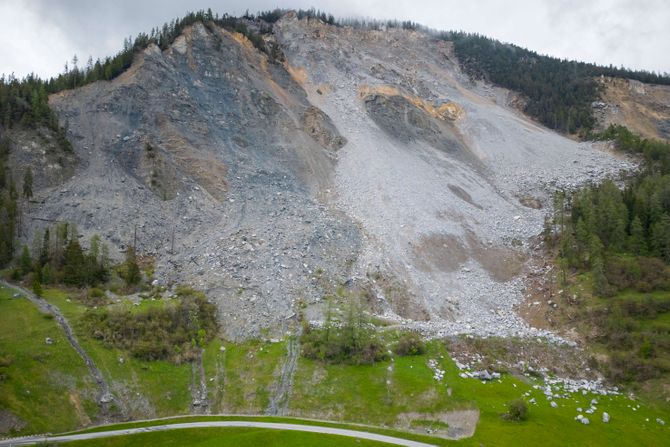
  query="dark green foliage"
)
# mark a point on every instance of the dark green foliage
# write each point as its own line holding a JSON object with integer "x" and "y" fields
{"x": 73, "y": 266}
{"x": 410, "y": 343}
{"x": 131, "y": 271}
{"x": 26, "y": 262}
{"x": 173, "y": 332}
{"x": 25, "y": 103}
{"x": 37, "y": 285}
{"x": 63, "y": 260}
{"x": 8, "y": 207}
{"x": 352, "y": 341}
{"x": 638, "y": 341}
{"x": 621, "y": 236}
{"x": 656, "y": 153}
{"x": 559, "y": 92}
{"x": 517, "y": 410}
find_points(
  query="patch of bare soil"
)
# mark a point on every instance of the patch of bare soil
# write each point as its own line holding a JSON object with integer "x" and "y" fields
{"x": 447, "y": 253}
{"x": 643, "y": 108}
{"x": 546, "y": 305}
{"x": 443, "y": 252}
{"x": 459, "y": 423}
{"x": 75, "y": 400}
{"x": 501, "y": 263}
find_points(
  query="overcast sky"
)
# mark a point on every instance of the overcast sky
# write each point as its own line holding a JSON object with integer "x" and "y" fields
{"x": 40, "y": 35}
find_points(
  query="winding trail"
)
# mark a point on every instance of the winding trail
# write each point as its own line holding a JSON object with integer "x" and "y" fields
{"x": 105, "y": 396}
{"x": 218, "y": 424}
{"x": 278, "y": 405}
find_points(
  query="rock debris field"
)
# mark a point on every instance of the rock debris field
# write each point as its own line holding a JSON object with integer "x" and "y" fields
{"x": 363, "y": 158}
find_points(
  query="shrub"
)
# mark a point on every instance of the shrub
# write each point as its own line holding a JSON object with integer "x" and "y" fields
{"x": 171, "y": 332}
{"x": 517, "y": 410}
{"x": 95, "y": 292}
{"x": 410, "y": 344}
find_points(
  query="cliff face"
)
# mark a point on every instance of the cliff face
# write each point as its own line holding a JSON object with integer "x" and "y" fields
{"x": 365, "y": 155}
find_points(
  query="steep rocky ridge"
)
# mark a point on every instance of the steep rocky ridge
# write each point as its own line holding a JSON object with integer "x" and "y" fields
{"x": 365, "y": 155}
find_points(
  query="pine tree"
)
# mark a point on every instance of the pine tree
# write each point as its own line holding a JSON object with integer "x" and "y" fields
{"x": 73, "y": 271}
{"x": 660, "y": 238}
{"x": 132, "y": 274}
{"x": 26, "y": 262}
{"x": 636, "y": 242}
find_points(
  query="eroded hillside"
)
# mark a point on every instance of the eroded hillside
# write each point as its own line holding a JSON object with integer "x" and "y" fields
{"x": 642, "y": 108}
{"x": 365, "y": 158}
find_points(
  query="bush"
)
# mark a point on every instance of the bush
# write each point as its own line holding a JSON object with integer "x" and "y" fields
{"x": 337, "y": 346}
{"x": 410, "y": 344}
{"x": 95, "y": 292}
{"x": 517, "y": 410}
{"x": 171, "y": 332}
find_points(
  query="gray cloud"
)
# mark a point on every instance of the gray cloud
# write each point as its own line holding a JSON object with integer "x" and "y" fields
{"x": 40, "y": 35}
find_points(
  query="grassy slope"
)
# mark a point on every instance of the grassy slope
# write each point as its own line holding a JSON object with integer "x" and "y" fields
{"x": 344, "y": 393}
{"x": 249, "y": 370}
{"x": 375, "y": 394}
{"x": 654, "y": 391}
{"x": 162, "y": 386}
{"x": 243, "y": 375}
{"x": 41, "y": 377}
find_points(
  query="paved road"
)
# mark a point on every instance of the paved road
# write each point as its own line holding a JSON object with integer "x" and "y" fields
{"x": 220, "y": 424}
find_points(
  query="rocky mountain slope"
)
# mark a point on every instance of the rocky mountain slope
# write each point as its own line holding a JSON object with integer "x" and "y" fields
{"x": 365, "y": 159}
{"x": 642, "y": 108}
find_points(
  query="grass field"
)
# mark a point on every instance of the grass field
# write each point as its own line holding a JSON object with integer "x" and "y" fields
{"x": 243, "y": 375}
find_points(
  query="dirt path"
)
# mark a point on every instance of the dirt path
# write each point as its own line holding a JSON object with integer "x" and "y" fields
{"x": 105, "y": 396}
{"x": 280, "y": 397}
{"x": 219, "y": 424}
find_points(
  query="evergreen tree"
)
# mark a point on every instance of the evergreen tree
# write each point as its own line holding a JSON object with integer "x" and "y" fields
{"x": 636, "y": 242}
{"x": 132, "y": 274}
{"x": 44, "y": 252}
{"x": 26, "y": 262}
{"x": 73, "y": 271}
{"x": 599, "y": 280}
{"x": 660, "y": 238}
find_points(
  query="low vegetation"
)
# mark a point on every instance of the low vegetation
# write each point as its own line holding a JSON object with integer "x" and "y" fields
{"x": 348, "y": 338}
{"x": 517, "y": 410}
{"x": 172, "y": 332}
{"x": 410, "y": 343}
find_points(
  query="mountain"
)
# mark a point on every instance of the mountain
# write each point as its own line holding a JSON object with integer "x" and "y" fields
{"x": 363, "y": 157}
